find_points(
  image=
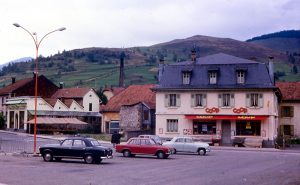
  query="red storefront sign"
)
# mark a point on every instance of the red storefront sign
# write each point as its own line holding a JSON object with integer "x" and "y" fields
{"x": 225, "y": 117}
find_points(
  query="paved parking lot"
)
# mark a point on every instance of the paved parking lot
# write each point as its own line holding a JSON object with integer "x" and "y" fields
{"x": 218, "y": 167}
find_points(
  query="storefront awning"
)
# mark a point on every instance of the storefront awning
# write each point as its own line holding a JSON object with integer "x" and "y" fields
{"x": 48, "y": 120}
{"x": 225, "y": 117}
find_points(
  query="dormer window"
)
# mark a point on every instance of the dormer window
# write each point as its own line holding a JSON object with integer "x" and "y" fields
{"x": 240, "y": 77}
{"x": 212, "y": 77}
{"x": 186, "y": 77}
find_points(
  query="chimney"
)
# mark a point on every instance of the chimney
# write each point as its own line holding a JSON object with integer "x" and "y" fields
{"x": 61, "y": 85}
{"x": 161, "y": 68}
{"x": 121, "y": 78}
{"x": 13, "y": 80}
{"x": 271, "y": 69}
{"x": 193, "y": 55}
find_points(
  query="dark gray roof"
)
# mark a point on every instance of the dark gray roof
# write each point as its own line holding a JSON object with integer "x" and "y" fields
{"x": 257, "y": 75}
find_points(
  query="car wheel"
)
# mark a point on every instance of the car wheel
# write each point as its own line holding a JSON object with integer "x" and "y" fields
{"x": 48, "y": 156}
{"x": 160, "y": 155}
{"x": 89, "y": 159}
{"x": 174, "y": 151}
{"x": 201, "y": 151}
{"x": 126, "y": 153}
{"x": 57, "y": 158}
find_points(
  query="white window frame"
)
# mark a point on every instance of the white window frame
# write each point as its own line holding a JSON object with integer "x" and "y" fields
{"x": 172, "y": 125}
{"x": 198, "y": 100}
{"x": 254, "y": 100}
{"x": 172, "y": 100}
{"x": 212, "y": 77}
{"x": 240, "y": 77}
{"x": 186, "y": 77}
{"x": 226, "y": 100}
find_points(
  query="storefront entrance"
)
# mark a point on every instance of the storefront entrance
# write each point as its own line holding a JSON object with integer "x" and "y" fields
{"x": 226, "y": 132}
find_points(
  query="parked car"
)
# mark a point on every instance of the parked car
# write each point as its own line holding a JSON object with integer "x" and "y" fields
{"x": 187, "y": 144}
{"x": 76, "y": 148}
{"x": 156, "y": 138}
{"x": 143, "y": 146}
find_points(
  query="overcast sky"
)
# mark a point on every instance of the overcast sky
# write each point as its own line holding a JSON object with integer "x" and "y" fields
{"x": 128, "y": 23}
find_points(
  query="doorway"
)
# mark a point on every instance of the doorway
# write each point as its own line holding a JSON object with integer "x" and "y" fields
{"x": 226, "y": 132}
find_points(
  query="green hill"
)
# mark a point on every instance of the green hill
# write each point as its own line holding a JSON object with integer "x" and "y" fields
{"x": 97, "y": 67}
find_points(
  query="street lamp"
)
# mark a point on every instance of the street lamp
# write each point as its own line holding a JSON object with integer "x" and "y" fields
{"x": 37, "y": 45}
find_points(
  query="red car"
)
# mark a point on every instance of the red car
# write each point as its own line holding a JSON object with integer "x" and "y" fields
{"x": 143, "y": 146}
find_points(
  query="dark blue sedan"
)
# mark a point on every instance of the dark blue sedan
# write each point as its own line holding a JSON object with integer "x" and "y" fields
{"x": 76, "y": 148}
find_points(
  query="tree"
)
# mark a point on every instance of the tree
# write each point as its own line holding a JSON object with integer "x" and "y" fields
{"x": 295, "y": 69}
{"x": 102, "y": 96}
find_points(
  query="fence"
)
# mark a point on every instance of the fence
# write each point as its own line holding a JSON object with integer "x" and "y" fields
{"x": 25, "y": 145}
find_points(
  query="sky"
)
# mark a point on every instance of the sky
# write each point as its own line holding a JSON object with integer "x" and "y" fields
{"x": 130, "y": 23}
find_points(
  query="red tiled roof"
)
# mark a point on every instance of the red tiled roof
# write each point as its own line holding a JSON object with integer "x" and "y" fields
{"x": 51, "y": 101}
{"x": 131, "y": 95}
{"x": 114, "y": 90}
{"x": 12, "y": 87}
{"x": 71, "y": 93}
{"x": 289, "y": 90}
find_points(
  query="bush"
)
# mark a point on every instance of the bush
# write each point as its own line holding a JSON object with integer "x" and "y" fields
{"x": 2, "y": 121}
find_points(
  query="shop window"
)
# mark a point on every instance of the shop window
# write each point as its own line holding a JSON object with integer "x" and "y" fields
{"x": 114, "y": 126}
{"x": 226, "y": 100}
{"x": 248, "y": 128}
{"x": 287, "y": 111}
{"x": 254, "y": 100}
{"x": 172, "y": 125}
{"x": 204, "y": 128}
{"x": 198, "y": 100}
{"x": 172, "y": 100}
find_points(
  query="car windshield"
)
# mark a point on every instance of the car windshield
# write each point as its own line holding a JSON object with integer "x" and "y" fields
{"x": 94, "y": 142}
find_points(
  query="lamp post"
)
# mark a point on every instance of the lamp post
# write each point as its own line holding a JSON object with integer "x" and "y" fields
{"x": 37, "y": 44}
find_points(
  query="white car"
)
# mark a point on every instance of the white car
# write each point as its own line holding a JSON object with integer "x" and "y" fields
{"x": 187, "y": 144}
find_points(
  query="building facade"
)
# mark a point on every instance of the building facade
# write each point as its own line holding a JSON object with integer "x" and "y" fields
{"x": 289, "y": 107}
{"x": 217, "y": 97}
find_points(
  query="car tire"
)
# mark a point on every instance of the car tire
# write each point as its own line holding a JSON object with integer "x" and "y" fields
{"x": 48, "y": 157}
{"x": 126, "y": 153}
{"x": 174, "y": 151}
{"x": 57, "y": 159}
{"x": 89, "y": 159}
{"x": 161, "y": 155}
{"x": 201, "y": 151}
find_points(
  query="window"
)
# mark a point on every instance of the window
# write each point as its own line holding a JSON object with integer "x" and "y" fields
{"x": 248, "y": 128}
{"x": 287, "y": 130}
{"x": 226, "y": 100}
{"x": 198, "y": 100}
{"x": 179, "y": 140}
{"x": 188, "y": 140}
{"x": 204, "y": 128}
{"x": 135, "y": 142}
{"x": 146, "y": 115}
{"x": 114, "y": 126}
{"x": 287, "y": 111}
{"x": 172, "y": 100}
{"x": 78, "y": 143}
{"x": 186, "y": 76}
{"x": 240, "y": 77}
{"x": 213, "y": 77}
{"x": 172, "y": 125}
{"x": 254, "y": 100}
{"x": 67, "y": 142}
{"x": 90, "y": 106}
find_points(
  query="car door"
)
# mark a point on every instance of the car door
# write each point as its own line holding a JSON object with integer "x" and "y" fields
{"x": 134, "y": 146}
{"x": 179, "y": 144}
{"x": 188, "y": 145}
{"x": 65, "y": 148}
{"x": 147, "y": 146}
{"x": 78, "y": 148}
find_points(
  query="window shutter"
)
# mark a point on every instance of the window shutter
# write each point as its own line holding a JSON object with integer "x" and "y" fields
{"x": 231, "y": 100}
{"x": 193, "y": 100}
{"x": 292, "y": 111}
{"x": 247, "y": 100}
{"x": 260, "y": 100}
{"x": 178, "y": 100}
{"x": 167, "y": 102}
{"x": 292, "y": 130}
{"x": 204, "y": 100}
{"x": 220, "y": 100}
